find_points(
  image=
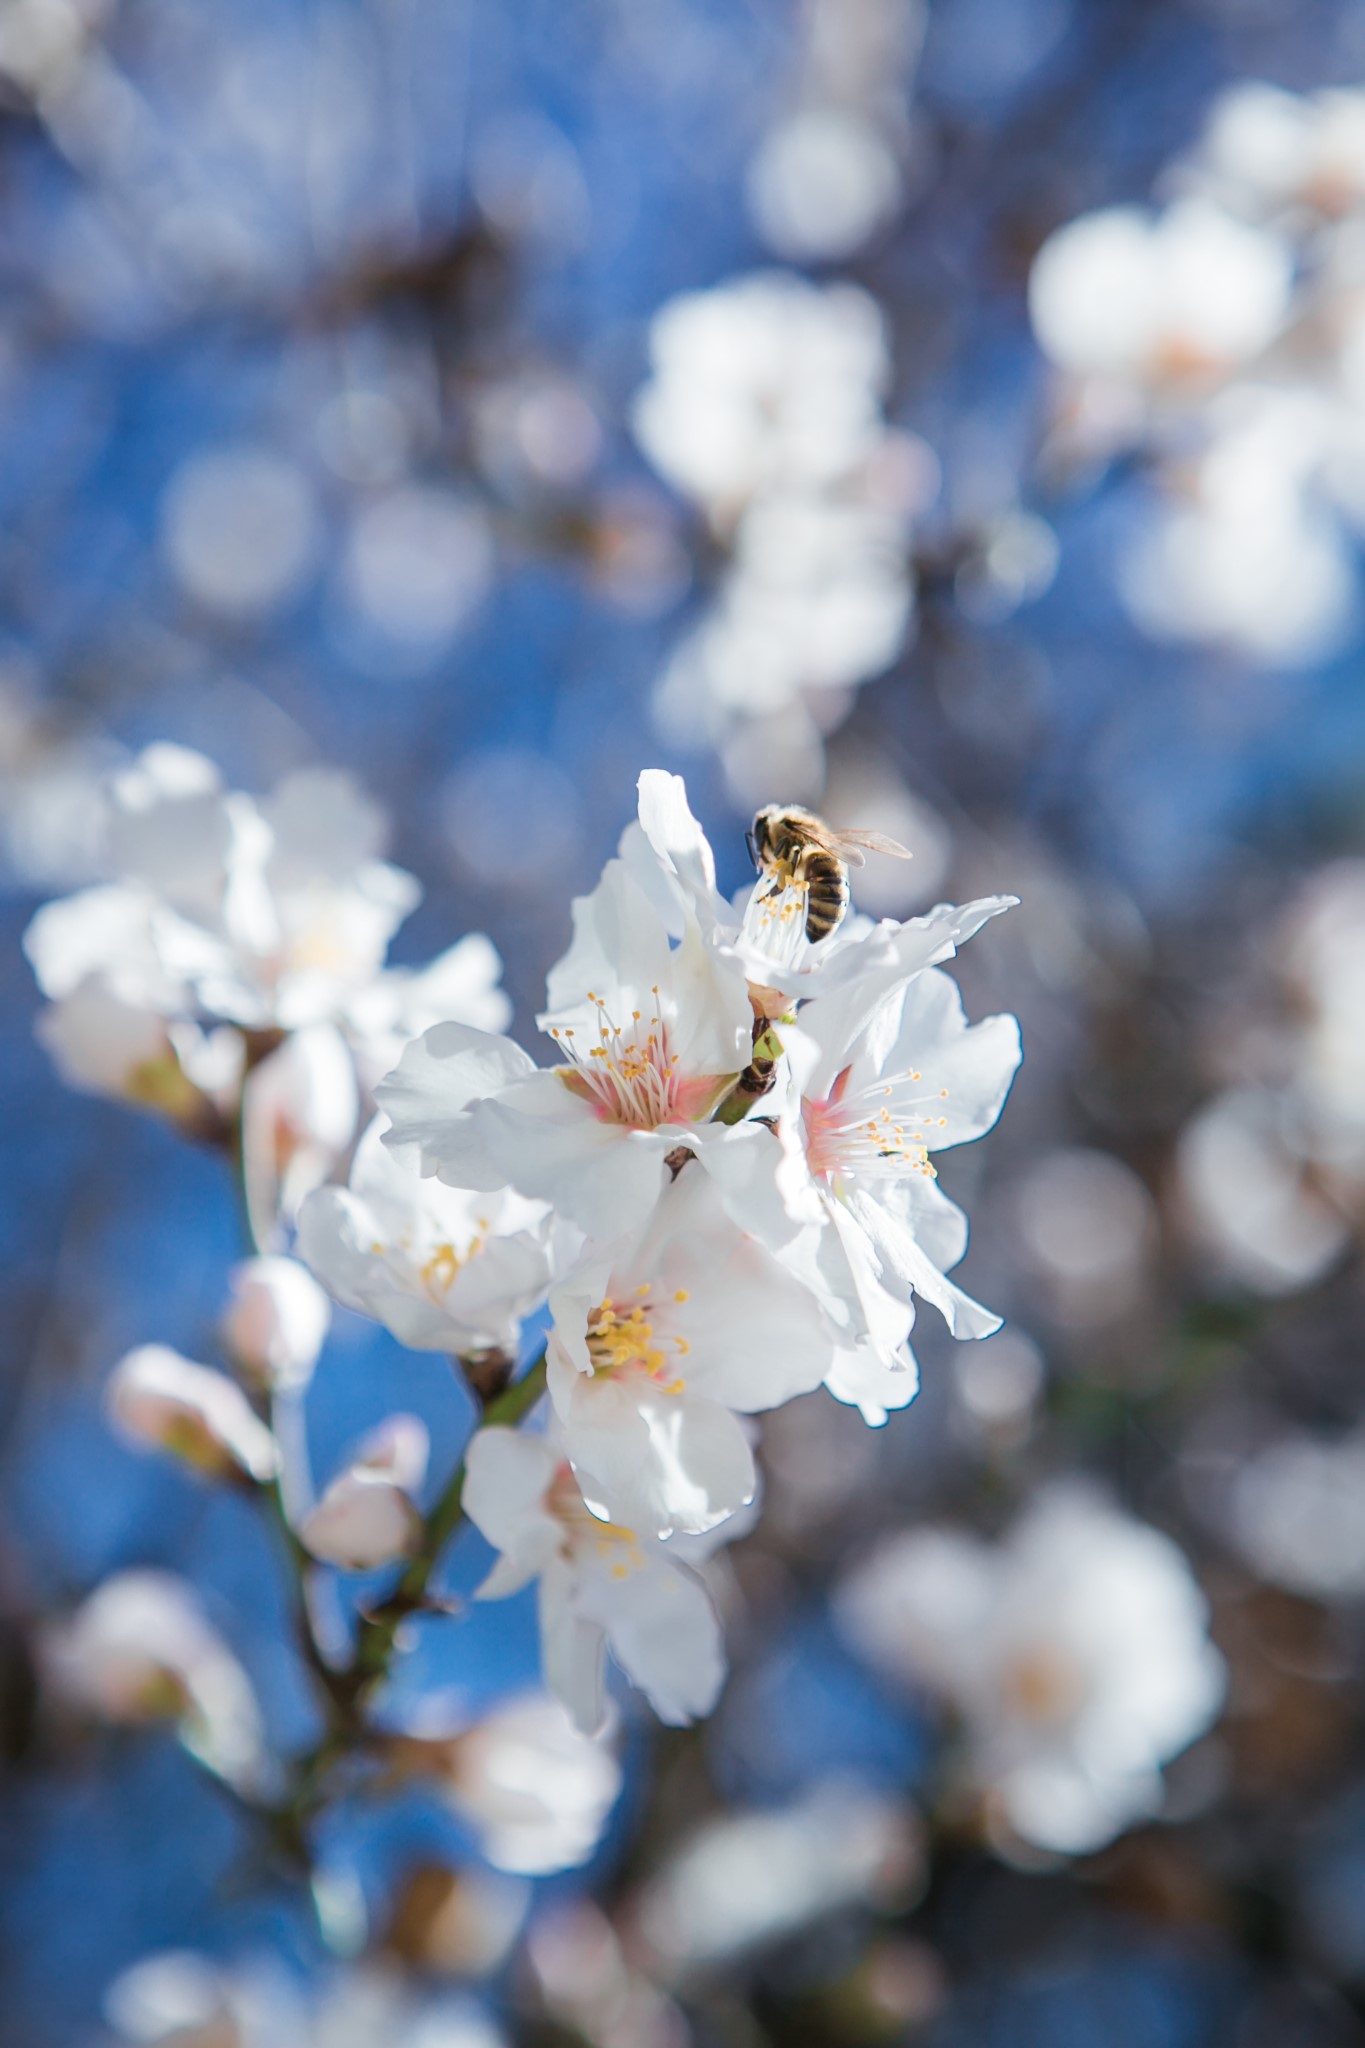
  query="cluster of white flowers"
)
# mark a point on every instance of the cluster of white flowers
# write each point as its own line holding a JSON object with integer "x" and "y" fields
{"x": 722, "y": 1187}
{"x": 703, "y": 1261}
{"x": 1223, "y": 338}
{"x": 232, "y": 966}
{"x": 765, "y": 408}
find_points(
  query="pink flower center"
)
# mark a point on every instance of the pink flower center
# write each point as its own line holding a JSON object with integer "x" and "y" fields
{"x": 630, "y": 1075}
{"x": 881, "y": 1131}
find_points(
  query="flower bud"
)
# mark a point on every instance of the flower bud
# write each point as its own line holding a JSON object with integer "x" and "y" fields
{"x": 157, "y": 1397}
{"x": 277, "y": 1323}
{"x": 366, "y": 1518}
{"x": 141, "y": 1649}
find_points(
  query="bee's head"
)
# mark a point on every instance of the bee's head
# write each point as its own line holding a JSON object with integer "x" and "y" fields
{"x": 760, "y": 838}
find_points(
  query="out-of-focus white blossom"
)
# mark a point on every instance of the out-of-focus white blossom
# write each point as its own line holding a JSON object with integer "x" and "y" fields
{"x": 819, "y": 597}
{"x": 1279, "y": 155}
{"x": 589, "y": 1981}
{"x": 599, "y": 1585}
{"x": 140, "y": 1649}
{"x": 765, "y": 406}
{"x": 278, "y": 1321}
{"x": 1220, "y": 339}
{"x": 156, "y": 1397}
{"x": 1075, "y": 1652}
{"x": 535, "y": 1790}
{"x": 240, "y": 530}
{"x": 1090, "y": 1226}
{"x": 1246, "y": 551}
{"x": 444, "y": 1268}
{"x": 367, "y": 1516}
{"x": 1170, "y": 302}
{"x": 766, "y": 384}
{"x": 261, "y": 917}
{"x": 108, "y": 1042}
{"x": 178, "y": 1999}
{"x": 1298, "y": 1515}
{"x": 418, "y": 564}
{"x": 1324, "y": 963}
{"x": 403, "y": 1002}
{"x": 745, "y": 1881}
{"x": 299, "y": 1113}
{"x": 821, "y": 184}
{"x": 1244, "y": 1182}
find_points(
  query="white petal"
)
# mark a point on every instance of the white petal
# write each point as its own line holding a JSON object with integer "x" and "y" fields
{"x": 426, "y": 1097}
{"x": 547, "y": 1142}
{"x": 573, "y": 1655}
{"x": 909, "y": 1262}
{"x": 507, "y": 1476}
{"x": 865, "y": 1381}
{"x": 650, "y": 1460}
{"x": 665, "y": 1635}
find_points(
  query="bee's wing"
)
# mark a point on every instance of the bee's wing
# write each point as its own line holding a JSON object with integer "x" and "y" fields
{"x": 848, "y": 844}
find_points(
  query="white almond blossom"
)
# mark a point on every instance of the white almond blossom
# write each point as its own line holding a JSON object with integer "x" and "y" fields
{"x": 818, "y": 597}
{"x": 140, "y": 1649}
{"x": 106, "y": 1039}
{"x": 277, "y": 1323}
{"x": 652, "y": 1037}
{"x": 1167, "y": 303}
{"x": 659, "y": 1343}
{"x": 228, "y": 920}
{"x": 767, "y": 383}
{"x": 444, "y": 1269}
{"x": 158, "y": 1398}
{"x": 877, "y": 1090}
{"x": 764, "y": 931}
{"x": 1076, "y": 1653}
{"x": 266, "y": 914}
{"x": 1276, "y": 155}
{"x": 367, "y": 1516}
{"x": 600, "y": 1585}
{"x": 536, "y": 1791}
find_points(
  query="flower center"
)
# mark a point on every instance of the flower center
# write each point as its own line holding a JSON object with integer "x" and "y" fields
{"x": 1043, "y": 1685}
{"x": 879, "y": 1132}
{"x": 775, "y": 917}
{"x": 630, "y": 1076}
{"x": 437, "y": 1265}
{"x": 625, "y": 1339}
{"x": 583, "y": 1532}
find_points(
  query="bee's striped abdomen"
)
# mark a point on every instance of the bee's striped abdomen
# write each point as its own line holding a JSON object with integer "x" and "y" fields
{"x": 826, "y": 880}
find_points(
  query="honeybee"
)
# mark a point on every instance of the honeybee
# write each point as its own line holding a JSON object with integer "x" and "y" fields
{"x": 793, "y": 849}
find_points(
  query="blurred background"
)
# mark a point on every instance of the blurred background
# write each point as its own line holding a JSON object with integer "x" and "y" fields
{"x": 493, "y": 402}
